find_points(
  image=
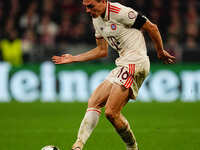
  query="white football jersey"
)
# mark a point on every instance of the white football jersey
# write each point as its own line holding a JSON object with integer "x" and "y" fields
{"x": 116, "y": 29}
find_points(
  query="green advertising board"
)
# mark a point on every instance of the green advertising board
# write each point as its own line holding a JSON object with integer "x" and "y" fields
{"x": 47, "y": 82}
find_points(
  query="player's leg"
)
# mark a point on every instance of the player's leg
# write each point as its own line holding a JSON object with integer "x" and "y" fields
{"x": 90, "y": 120}
{"x": 117, "y": 99}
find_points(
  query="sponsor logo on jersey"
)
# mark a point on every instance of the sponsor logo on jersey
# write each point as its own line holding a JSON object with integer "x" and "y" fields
{"x": 113, "y": 26}
{"x": 131, "y": 15}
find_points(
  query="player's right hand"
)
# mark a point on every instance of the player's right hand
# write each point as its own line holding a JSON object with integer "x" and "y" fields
{"x": 166, "y": 57}
{"x": 64, "y": 59}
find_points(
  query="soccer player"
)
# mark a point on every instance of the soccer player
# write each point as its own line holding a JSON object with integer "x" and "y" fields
{"x": 121, "y": 27}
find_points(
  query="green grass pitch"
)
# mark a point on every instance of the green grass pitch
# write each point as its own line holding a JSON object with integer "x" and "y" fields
{"x": 157, "y": 126}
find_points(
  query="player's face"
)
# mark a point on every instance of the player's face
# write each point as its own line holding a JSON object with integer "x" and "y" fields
{"x": 94, "y": 8}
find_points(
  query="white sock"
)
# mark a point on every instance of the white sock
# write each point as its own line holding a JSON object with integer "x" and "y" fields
{"x": 88, "y": 123}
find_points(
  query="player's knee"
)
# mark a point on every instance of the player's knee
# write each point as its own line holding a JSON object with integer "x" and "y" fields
{"x": 93, "y": 104}
{"x": 110, "y": 115}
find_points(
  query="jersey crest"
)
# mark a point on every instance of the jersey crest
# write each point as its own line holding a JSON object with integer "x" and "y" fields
{"x": 131, "y": 15}
{"x": 113, "y": 26}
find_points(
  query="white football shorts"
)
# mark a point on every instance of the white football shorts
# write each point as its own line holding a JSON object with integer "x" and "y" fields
{"x": 130, "y": 76}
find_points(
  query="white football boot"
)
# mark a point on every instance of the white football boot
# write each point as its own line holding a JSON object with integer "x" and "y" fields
{"x": 134, "y": 147}
{"x": 78, "y": 145}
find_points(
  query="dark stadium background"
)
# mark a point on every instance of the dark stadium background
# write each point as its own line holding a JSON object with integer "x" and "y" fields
{"x": 69, "y": 25}
{"x": 35, "y": 109}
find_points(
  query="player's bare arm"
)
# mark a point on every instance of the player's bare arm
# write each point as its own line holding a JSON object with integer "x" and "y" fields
{"x": 100, "y": 51}
{"x": 154, "y": 33}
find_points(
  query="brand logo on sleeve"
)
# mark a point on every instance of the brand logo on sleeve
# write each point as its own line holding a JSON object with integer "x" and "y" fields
{"x": 131, "y": 15}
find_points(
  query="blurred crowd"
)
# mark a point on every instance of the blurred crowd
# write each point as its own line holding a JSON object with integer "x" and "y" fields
{"x": 34, "y": 30}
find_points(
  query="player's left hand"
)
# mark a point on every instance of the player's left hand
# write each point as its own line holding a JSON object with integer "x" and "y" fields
{"x": 166, "y": 57}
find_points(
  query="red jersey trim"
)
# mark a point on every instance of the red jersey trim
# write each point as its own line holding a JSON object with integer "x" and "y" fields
{"x": 108, "y": 11}
{"x": 114, "y": 9}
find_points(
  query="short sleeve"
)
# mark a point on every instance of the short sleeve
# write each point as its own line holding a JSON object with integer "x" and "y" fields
{"x": 131, "y": 18}
{"x": 127, "y": 16}
{"x": 97, "y": 34}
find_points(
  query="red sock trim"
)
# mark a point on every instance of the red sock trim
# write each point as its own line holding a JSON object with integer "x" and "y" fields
{"x": 93, "y": 109}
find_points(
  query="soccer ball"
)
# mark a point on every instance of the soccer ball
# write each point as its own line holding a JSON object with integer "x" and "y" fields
{"x": 50, "y": 147}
